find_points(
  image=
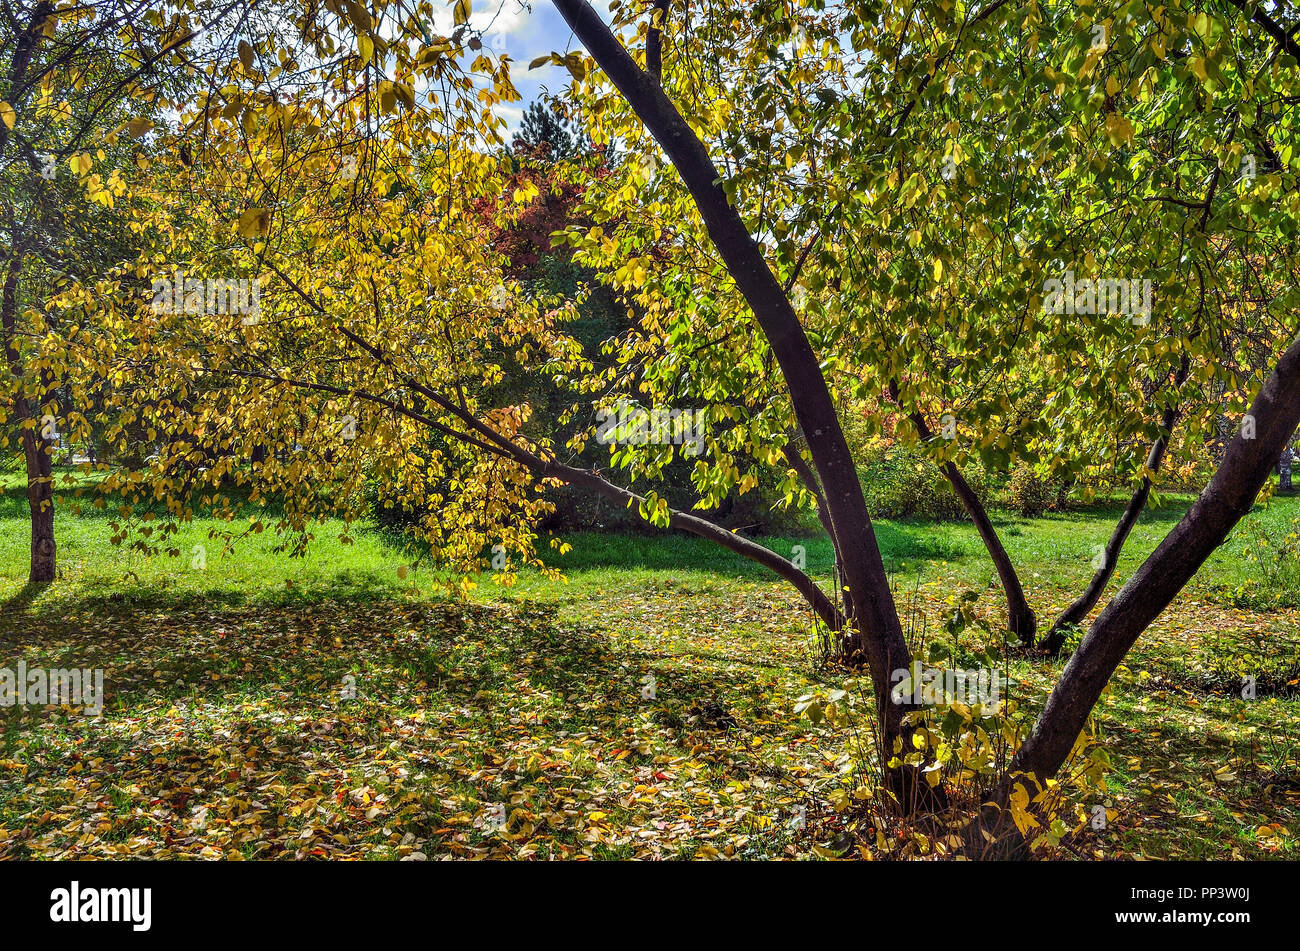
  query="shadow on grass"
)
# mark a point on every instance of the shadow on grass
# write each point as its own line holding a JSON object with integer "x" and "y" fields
{"x": 402, "y": 655}
{"x": 222, "y": 708}
{"x": 20, "y": 603}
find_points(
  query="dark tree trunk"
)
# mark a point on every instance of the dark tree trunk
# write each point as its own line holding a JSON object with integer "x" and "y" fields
{"x": 1246, "y": 466}
{"x": 875, "y": 635}
{"x": 37, "y": 449}
{"x": 809, "y": 479}
{"x": 27, "y": 41}
{"x": 38, "y": 453}
{"x": 1082, "y": 606}
{"x": 1021, "y": 621}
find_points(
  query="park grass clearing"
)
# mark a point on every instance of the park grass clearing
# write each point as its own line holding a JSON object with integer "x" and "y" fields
{"x": 226, "y": 733}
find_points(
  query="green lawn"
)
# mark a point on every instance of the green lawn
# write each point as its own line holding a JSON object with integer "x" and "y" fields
{"x": 225, "y": 732}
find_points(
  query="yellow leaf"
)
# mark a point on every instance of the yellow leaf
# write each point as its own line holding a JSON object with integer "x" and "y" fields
{"x": 253, "y": 223}
{"x": 1090, "y": 62}
{"x": 139, "y": 126}
{"x": 7, "y": 114}
{"x": 577, "y": 66}
{"x": 1018, "y": 804}
{"x": 1118, "y": 129}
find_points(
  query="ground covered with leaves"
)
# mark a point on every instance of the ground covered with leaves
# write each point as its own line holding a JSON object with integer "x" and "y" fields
{"x": 651, "y": 718}
{"x": 341, "y": 705}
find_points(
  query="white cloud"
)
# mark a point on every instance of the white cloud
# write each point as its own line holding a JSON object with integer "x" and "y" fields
{"x": 513, "y": 116}
{"x": 498, "y": 17}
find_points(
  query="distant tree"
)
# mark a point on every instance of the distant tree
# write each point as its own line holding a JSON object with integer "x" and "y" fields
{"x": 547, "y": 130}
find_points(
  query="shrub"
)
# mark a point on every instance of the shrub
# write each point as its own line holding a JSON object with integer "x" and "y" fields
{"x": 1030, "y": 495}
{"x": 900, "y": 483}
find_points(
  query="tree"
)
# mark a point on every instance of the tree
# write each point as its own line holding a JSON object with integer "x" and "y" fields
{"x": 68, "y": 73}
{"x": 1229, "y": 495}
{"x": 545, "y": 126}
{"x": 383, "y": 306}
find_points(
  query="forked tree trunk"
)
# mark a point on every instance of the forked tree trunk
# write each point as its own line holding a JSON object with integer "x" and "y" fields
{"x": 1229, "y": 496}
{"x": 1246, "y": 466}
{"x": 1082, "y": 606}
{"x": 878, "y": 635}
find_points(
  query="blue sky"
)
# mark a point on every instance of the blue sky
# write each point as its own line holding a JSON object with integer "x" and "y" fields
{"x": 525, "y": 35}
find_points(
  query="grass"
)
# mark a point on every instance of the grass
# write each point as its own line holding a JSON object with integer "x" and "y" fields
{"x": 227, "y": 731}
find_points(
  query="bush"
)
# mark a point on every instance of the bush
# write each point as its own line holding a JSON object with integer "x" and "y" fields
{"x": 1030, "y": 495}
{"x": 900, "y": 483}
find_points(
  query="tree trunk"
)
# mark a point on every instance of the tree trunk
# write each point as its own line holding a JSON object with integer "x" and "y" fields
{"x": 37, "y": 449}
{"x": 875, "y": 635}
{"x": 38, "y": 452}
{"x": 1246, "y": 466}
{"x": 22, "y": 58}
{"x": 809, "y": 479}
{"x": 1082, "y": 606}
{"x": 1021, "y": 620}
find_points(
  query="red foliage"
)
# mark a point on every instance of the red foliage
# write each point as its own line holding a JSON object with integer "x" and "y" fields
{"x": 526, "y": 240}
